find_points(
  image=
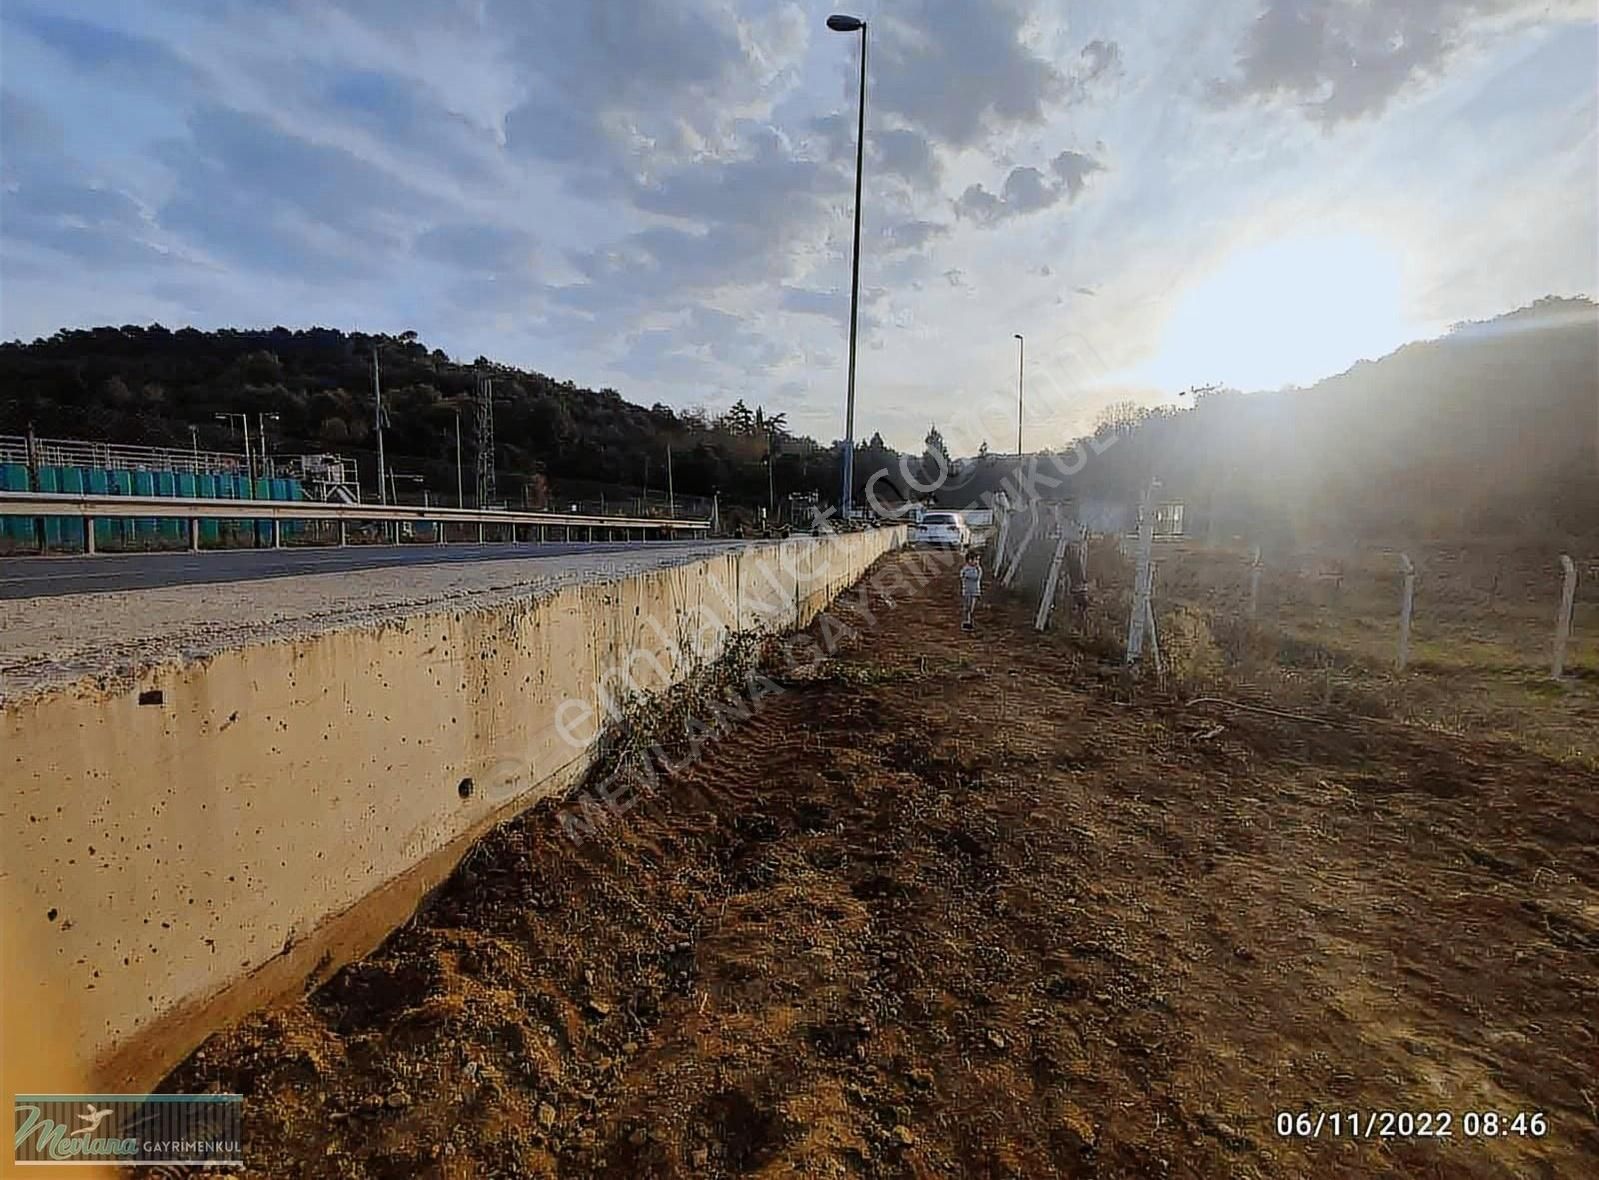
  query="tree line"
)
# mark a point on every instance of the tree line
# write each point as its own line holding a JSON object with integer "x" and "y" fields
{"x": 151, "y": 385}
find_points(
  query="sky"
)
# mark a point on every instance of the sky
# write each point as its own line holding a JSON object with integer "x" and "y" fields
{"x": 657, "y": 195}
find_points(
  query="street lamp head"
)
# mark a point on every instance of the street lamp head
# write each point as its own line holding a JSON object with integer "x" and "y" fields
{"x": 1018, "y": 335}
{"x": 840, "y": 23}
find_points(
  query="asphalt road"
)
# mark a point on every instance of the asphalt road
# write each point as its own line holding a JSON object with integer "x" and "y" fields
{"x": 53, "y": 577}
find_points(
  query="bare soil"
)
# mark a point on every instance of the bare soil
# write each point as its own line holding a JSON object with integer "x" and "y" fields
{"x": 976, "y": 905}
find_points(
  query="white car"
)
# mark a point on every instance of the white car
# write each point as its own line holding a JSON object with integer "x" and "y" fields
{"x": 942, "y": 528}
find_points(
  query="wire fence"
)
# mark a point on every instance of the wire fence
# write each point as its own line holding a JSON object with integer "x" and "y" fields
{"x": 1483, "y": 636}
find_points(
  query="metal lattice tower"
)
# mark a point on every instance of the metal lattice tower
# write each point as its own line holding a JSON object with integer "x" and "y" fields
{"x": 485, "y": 441}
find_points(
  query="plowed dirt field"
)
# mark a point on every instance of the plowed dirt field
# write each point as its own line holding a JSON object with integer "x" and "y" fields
{"x": 973, "y": 905}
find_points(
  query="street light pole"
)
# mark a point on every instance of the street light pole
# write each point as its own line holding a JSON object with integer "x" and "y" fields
{"x": 249, "y": 459}
{"x": 1021, "y": 367}
{"x": 377, "y": 394}
{"x": 849, "y": 24}
{"x": 266, "y": 459}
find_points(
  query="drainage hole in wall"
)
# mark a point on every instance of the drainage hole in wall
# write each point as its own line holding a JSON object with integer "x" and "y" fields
{"x": 465, "y": 788}
{"x": 151, "y": 696}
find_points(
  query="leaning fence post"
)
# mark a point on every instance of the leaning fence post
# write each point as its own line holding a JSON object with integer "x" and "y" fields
{"x": 1021, "y": 548}
{"x": 1568, "y": 597}
{"x": 1404, "y": 609}
{"x": 999, "y": 545}
{"x": 1254, "y": 582}
{"x": 1050, "y": 582}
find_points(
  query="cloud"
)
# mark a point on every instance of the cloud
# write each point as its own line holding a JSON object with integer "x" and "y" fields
{"x": 49, "y": 202}
{"x": 702, "y": 345}
{"x": 633, "y": 82}
{"x": 1100, "y": 58}
{"x": 1097, "y": 61}
{"x": 744, "y": 190}
{"x": 907, "y": 155}
{"x": 107, "y": 52}
{"x": 255, "y": 195}
{"x": 471, "y": 245}
{"x": 914, "y": 236}
{"x": 26, "y": 127}
{"x": 803, "y": 301}
{"x": 88, "y": 222}
{"x": 400, "y": 113}
{"x": 1073, "y": 170}
{"x": 1340, "y": 60}
{"x": 929, "y": 55}
{"x": 1028, "y": 190}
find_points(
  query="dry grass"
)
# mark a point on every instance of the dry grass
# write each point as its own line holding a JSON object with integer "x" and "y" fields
{"x": 1325, "y": 636}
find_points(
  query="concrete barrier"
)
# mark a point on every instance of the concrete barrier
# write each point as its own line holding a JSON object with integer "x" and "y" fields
{"x": 183, "y": 850}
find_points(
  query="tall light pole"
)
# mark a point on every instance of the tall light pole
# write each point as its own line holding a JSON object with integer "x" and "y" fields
{"x": 377, "y": 422}
{"x": 840, "y": 23}
{"x": 1021, "y": 367}
{"x": 261, "y": 438}
{"x": 249, "y": 460}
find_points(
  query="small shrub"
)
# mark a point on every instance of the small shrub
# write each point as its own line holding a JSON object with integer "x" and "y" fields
{"x": 1191, "y": 652}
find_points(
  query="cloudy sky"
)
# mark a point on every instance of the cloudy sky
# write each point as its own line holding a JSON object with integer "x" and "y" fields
{"x": 656, "y": 194}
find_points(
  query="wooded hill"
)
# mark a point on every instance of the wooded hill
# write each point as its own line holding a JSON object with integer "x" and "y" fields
{"x": 148, "y": 385}
{"x": 1490, "y": 429}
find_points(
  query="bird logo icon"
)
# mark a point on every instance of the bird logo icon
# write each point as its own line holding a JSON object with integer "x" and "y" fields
{"x": 93, "y": 1119}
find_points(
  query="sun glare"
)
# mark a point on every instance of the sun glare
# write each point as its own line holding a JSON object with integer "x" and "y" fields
{"x": 1288, "y": 312}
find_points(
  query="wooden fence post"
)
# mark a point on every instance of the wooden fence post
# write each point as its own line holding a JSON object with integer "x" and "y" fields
{"x": 1139, "y": 619}
{"x": 1404, "y": 609}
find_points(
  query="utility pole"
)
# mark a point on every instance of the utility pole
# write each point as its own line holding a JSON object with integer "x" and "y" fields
{"x": 377, "y": 394}
{"x": 194, "y": 446}
{"x": 485, "y": 441}
{"x": 460, "y": 487}
{"x": 671, "y": 496}
{"x": 771, "y": 477}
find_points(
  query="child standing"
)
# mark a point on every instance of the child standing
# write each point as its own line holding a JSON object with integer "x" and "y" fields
{"x": 971, "y": 587}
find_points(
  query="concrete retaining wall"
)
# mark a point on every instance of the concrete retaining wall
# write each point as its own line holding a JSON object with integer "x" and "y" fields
{"x": 176, "y": 854}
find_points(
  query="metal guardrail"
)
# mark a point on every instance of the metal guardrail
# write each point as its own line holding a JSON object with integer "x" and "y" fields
{"x": 194, "y": 510}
